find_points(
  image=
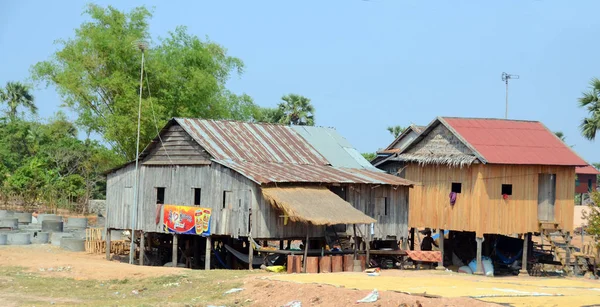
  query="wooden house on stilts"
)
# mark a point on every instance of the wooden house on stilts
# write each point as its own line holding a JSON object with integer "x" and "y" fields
{"x": 209, "y": 181}
{"x": 491, "y": 177}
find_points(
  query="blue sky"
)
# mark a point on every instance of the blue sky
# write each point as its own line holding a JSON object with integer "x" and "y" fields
{"x": 366, "y": 64}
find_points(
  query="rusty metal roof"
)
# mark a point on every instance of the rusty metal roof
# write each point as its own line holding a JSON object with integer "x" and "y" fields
{"x": 268, "y": 153}
{"x": 241, "y": 141}
{"x": 513, "y": 141}
{"x": 263, "y": 173}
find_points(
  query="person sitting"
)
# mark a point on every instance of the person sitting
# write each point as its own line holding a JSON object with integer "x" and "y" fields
{"x": 427, "y": 243}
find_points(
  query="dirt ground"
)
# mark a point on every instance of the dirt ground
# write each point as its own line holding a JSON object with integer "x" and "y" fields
{"x": 43, "y": 274}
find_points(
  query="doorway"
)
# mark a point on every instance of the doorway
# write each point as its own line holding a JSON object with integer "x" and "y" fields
{"x": 546, "y": 197}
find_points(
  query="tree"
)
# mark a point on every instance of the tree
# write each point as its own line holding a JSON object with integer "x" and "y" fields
{"x": 369, "y": 156}
{"x": 97, "y": 74}
{"x": 269, "y": 115}
{"x": 396, "y": 130}
{"x": 593, "y": 217}
{"x": 17, "y": 94}
{"x": 590, "y": 101}
{"x": 560, "y": 135}
{"x": 295, "y": 110}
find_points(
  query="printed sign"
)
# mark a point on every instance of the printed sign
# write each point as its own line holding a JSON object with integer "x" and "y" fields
{"x": 186, "y": 220}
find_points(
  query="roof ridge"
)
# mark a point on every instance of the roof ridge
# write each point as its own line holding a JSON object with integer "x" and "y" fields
{"x": 248, "y": 122}
{"x": 494, "y": 118}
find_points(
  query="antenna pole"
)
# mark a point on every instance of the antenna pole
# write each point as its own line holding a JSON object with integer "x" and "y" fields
{"x": 137, "y": 174}
{"x": 506, "y": 112}
{"x": 505, "y": 78}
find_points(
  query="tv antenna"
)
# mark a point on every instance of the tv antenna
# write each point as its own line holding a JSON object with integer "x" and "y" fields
{"x": 142, "y": 46}
{"x": 505, "y": 78}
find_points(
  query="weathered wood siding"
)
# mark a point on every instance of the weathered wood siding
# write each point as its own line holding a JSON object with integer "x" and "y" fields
{"x": 371, "y": 200}
{"x": 582, "y": 184}
{"x": 480, "y": 206}
{"x": 177, "y": 147}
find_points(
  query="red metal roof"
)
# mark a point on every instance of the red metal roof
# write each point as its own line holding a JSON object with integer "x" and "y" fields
{"x": 588, "y": 170}
{"x": 514, "y": 142}
{"x": 280, "y": 172}
{"x": 241, "y": 141}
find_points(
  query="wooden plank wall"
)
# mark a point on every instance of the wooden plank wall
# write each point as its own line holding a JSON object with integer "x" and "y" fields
{"x": 480, "y": 206}
{"x": 177, "y": 147}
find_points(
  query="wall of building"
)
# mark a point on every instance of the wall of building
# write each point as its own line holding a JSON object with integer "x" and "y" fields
{"x": 231, "y": 211}
{"x": 480, "y": 206}
{"x": 583, "y": 181}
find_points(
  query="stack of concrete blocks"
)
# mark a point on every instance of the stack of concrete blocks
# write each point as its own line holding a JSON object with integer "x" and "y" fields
{"x": 13, "y": 228}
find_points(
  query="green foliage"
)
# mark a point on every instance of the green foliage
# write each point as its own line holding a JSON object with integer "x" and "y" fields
{"x": 16, "y": 94}
{"x": 292, "y": 110}
{"x": 369, "y": 155}
{"x": 395, "y": 130}
{"x": 593, "y": 216}
{"x": 589, "y": 100}
{"x": 47, "y": 163}
{"x": 97, "y": 73}
{"x": 560, "y": 135}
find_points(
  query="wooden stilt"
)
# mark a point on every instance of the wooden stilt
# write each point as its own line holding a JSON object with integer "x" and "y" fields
{"x": 142, "y": 247}
{"x": 250, "y": 253}
{"x": 440, "y": 265}
{"x": 174, "y": 255}
{"x": 208, "y": 252}
{"x": 289, "y": 244}
{"x": 523, "y": 271}
{"x": 355, "y": 242}
{"x": 281, "y": 244}
{"x": 305, "y": 251}
{"x": 479, "y": 270}
{"x": 368, "y": 246}
{"x": 108, "y": 231}
{"x": 412, "y": 238}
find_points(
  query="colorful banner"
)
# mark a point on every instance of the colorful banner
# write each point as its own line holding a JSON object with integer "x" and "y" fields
{"x": 186, "y": 220}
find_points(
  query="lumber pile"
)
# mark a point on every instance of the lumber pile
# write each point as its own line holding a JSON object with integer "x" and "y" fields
{"x": 94, "y": 244}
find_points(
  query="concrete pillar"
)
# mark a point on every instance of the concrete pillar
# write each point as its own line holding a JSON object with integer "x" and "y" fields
{"x": 479, "y": 270}
{"x": 142, "y": 247}
{"x": 440, "y": 265}
{"x": 108, "y": 231}
{"x": 208, "y": 252}
{"x": 523, "y": 271}
{"x": 174, "y": 256}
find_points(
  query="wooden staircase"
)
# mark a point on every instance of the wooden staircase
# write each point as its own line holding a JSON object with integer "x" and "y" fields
{"x": 574, "y": 261}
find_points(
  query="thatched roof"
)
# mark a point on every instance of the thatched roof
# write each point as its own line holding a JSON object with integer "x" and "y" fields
{"x": 317, "y": 205}
{"x": 450, "y": 160}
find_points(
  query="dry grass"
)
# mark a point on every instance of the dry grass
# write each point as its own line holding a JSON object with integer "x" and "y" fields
{"x": 19, "y": 287}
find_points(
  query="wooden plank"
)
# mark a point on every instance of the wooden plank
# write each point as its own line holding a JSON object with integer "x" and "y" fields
{"x": 174, "y": 251}
{"x": 207, "y": 253}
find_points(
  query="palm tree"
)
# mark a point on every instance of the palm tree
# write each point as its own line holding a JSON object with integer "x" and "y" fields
{"x": 590, "y": 101}
{"x": 17, "y": 94}
{"x": 297, "y": 110}
{"x": 560, "y": 135}
{"x": 396, "y": 130}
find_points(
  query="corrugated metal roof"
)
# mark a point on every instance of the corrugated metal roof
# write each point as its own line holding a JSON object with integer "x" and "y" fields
{"x": 262, "y": 173}
{"x": 588, "y": 170}
{"x": 241, "y": 141}
{"x": 334, "y": 147}
{"x": 513, "y": 141}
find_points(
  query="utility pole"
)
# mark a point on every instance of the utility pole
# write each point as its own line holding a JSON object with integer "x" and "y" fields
{"x": 142, "y": 46}
{"x": 505, "y": 78}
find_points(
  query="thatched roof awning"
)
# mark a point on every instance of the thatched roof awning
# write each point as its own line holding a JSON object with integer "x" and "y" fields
{"x": 316, "y": 205}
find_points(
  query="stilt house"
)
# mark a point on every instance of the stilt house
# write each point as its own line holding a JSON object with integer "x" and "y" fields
{"x": 489, "y": 176}
{"x": 265, "y": 181}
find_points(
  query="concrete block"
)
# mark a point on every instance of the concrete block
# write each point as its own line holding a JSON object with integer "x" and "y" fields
{"x": 19, "y": 238}
{"x": 77, "y": 233}
{"x": 77, "y": 222}
{"x": 72, "y": 244}
{"x": 56, "y": 237}
{"x": 3, "y": 238}
{"x": 24, "y": 217}
{"x": 49, "y": 217}
{"x": 6, "y": 214}
{"x": 9, "y": 222}
{"x": 40, "y": 237}
{"x": 52, "y": 226}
